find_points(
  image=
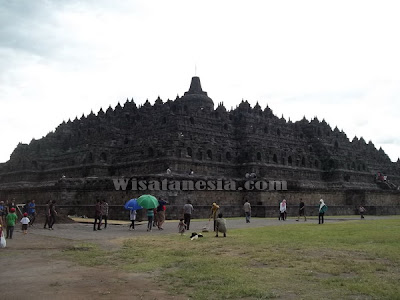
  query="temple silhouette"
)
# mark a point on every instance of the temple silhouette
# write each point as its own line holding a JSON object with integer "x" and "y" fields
{"x": 77, "y": 162}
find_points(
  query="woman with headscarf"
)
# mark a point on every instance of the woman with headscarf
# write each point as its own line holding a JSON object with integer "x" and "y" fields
{"x": 322, "y": 209}
{"x": 282, "y": 210}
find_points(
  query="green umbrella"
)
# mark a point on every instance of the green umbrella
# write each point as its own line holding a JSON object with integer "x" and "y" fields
{"x": 147, "y": 201}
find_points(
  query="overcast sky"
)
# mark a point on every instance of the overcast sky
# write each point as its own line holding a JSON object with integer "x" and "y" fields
{"x": 337, "y": 60}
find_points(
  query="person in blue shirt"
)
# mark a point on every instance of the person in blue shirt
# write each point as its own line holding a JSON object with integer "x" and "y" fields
{"x": 2, "y": 213}
{"x": 31, "y": 212}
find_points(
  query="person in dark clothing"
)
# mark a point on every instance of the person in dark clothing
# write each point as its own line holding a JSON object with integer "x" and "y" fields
{"x": 302, "y": 210}
{"x": 47, "y": 215}
{"x": 53, "y": 214}
{"x": 97, "y": 215}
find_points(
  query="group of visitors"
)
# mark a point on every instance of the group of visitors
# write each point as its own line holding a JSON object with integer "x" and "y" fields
{"x": 283, "y": 211}
{"x": 156, "y": 217}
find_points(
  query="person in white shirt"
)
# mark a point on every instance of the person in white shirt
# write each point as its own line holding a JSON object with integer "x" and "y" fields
{"x": 25, "y": 221}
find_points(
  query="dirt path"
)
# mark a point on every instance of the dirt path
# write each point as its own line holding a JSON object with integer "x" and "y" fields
{"x": 30, "y": 267}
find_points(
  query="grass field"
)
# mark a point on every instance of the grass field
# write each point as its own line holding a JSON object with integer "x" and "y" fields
{"x": 346, "y": 260}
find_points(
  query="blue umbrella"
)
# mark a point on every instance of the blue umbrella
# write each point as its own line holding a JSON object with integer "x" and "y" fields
{"x": 132, "y": 205}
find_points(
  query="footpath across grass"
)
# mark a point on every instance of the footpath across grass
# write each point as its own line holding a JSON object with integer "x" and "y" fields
{"x": 346, "y": 260}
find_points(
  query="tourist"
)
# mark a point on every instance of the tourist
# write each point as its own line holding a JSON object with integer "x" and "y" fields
{"x": 187, "y": 213}
{"x": 11, "y": 219}
{"x": 214, "y": 210}
{"x": 282, "y": 210}
{"x": 220, "y": 225}
{"x": 104, "y": 212}
{"x": 47, "y": 214}
{"x": 150, "y": 218}
{"x": 53, "y": 214}
{"x": 362, "y": 210}
{"x": 25, "y": 221}
{"x": 2, "y": 213}
{"x": 302, "y": 210}
{"x": 32, "y": 212}
{"x": 181, "y": 226}
{"x": 97, "y": 215}
{"x": 322, "y": 209}
{"x": 155, "y": 221}
{"x": 11, "y": 205}
{"x": 247, "y": 210}
{"x": 132, "y": 218}
{"x": 169, "y": 172}
{"x": 161, "y": 213}
{"x": 191, "y": 172}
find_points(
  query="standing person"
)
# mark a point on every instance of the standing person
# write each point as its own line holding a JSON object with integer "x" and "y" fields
{"x": 302, "y": 210}
{"x": 11, "y": 205}
{"x": 47, "y": 215}
{"x": 187, "y": 213}
{"x": 181, "y": 226}
{"x": 53, "y": 214}
{"x": 32, "y": 212}
{"x": 132, "y": 218}
{"x": 2, "y": 213}
{"x": 104, "y": 212}
{"x": 97, "y": 215}
{"x": 282, "y": 210}
{"x": 362, "y": 210}
{"x": 214, "y": 211}
{"x": 221, "y": 225}
{"x": 11, "y": 219}
{"x": 322, "y": 209}
{"x": 150, "y": 218}
{"x": 25, "y": 221}
{"x": 161, "y": 213}
{"x": 247, "y": 210}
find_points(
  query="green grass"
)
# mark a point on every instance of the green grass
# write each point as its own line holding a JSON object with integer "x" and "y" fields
{"x": 347, "y": 260}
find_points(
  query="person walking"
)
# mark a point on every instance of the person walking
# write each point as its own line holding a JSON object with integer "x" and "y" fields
{"x": 282, "y": 210}
{"x": 97, "y": 215}
{"x": 150, "y": 219}
{"x": 302, "y": 210}
{"x": 11, "y": 220}
{"x": 132, "y": 218}
{"x": 47, "y": 215}
{"x": 187, "y": 213}
{"x": 104, "y": 212}
{"x": 247, "y": 210}
{"x": 322, "y": 209}
{"x": 25, "y": 222}
{"x": 53, "y": 214}
{"x": 161, "y": 213}
{"x": 362, "y": 210}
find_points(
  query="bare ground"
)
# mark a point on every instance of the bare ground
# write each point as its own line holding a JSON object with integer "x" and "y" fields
{"x": 32, "y": 268}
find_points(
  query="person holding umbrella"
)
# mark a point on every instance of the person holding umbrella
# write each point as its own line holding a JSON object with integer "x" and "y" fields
{"x": 133, "y": 206}
{"x": 132, "y": 217}
{"x": 149, "y": 202}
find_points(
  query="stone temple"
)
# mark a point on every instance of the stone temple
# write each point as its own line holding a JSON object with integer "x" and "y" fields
{"x": 81, "y": 159}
